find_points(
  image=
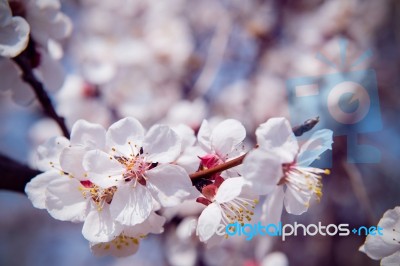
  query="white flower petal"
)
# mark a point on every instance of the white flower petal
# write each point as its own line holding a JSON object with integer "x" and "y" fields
{"x": 131, "y": 206}
{"x": 65, "y": 201}
{"x": 88, "y": 134}
{"x": 276, "y": 135}
{"x": 319, "y": 142}
{"x": 204, "y": 135}
{"x": 229, "y": 189}
{"x": 124, "y": 134}
{"x": 392, "y": 260}
{"x": 153, "y": 225}
{"x": 169, "y": 184}
{"x": 263, "y": 171}
{"x": 273, "y": 206}
{"x": 226, "y": 136}
{"x": 99, "y": 226}
{"x": 102, "y": 169}
{"x": 13, "y": 36}
{"x": 36, "y": 188}
{"x": 71, "y": 161}
{"x": 50, "y": 151}
{"x": 378, "y": 247}
{"x": 208, "y": 222}
{"x": 189, "y": 159}
{"x": 296, "y": 202}
{"x": 47, "y": 22}
{"x": 161, "y": 144}
{"x": 186, "y": 135}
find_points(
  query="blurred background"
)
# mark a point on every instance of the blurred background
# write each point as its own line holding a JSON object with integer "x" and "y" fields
{"x": 182, "y": 61}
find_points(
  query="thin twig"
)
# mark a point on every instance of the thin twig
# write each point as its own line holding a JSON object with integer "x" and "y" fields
{"x": 219, "y": 168}
{"x": 22, "y": 60}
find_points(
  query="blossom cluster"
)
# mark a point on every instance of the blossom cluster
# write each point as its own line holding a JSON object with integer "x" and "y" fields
{"x": 118, "y": 181}
{"x": 34, "y": 28}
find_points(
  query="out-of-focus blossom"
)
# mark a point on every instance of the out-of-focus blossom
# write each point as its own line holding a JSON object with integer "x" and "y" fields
{"x": 46, "y": 20}
{"x": 275, "y": 259}
{"x": 188, "y": 113}
{"x": 40, "y": 26}
{"x": 86, "y": 100}
{"x": 11, "y": 80}
{"x": 14, "y": 32}
{"x": 181, "y": 247}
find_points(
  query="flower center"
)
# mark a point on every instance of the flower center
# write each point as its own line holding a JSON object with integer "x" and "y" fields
{"x": 121, "y": 242}
{"x": 99, "y": 196}
{"x": 303, "y": 179}
{"x": 135, "y": 166}
{"x": 238, "y": 210}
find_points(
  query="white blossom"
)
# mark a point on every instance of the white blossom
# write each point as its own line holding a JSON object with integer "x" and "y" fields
{"x": 231, "y": 202}
{"x": 138, "y": 165}
{"x": 280, "y": 169}
{"x": 385, "y": 246}
{"x": 14, "y": 32}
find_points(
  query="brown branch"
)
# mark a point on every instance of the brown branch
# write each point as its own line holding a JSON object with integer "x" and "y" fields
{"x": 24, "y": 61}
{"x": 219, "y": 168}
{"x": 14, "y": 175}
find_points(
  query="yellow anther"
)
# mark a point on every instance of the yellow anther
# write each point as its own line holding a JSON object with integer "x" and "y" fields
{"x": 327, "y": 171}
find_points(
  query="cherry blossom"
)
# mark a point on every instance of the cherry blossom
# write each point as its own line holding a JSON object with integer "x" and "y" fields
{"x": 385, "y": 246}
{"x": 138, "y": 165}
{"x": 64, "y": 189}
{"x": 280, "y": 169}
{"x": 222, "y": 143}
{"x": 128, "y": 241}
{"x": 231, "y": 202}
